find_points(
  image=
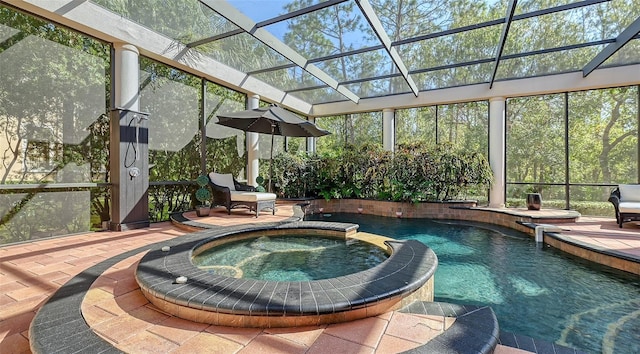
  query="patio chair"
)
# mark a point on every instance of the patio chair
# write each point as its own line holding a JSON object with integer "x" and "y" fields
{"x": 626, "y": 201}
{"x": 230, "y": 193}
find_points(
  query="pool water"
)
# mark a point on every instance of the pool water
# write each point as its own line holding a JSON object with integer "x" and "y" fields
{"x": 538, "y": 292}
{"x": 290, "y": 258}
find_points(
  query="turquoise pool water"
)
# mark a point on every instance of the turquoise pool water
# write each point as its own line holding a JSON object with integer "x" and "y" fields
{"x": 538, "y": 292}
{"x": 290, "y": 258}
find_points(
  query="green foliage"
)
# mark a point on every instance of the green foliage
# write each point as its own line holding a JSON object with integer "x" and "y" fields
{"x": 202, "y": 180}
{"x": 203, "y": 194}
{"x": 222, "y": 156}
{"x": 364, "y": 129}
{"x": 414, "y": 173}
{"x": 260, "y": 182}
{"x": 167, "y": 199}
{"x": 288, "y": 174}
{"x": 457, "y": 170}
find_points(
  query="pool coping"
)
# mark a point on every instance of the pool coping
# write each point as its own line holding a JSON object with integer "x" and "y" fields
{"x": 218, "y": 299}
{"x": 59, "y": 325}
{"x": 594, "y": 253}
{"x": 515, "y": 219}
{"x": 475, "y": 329}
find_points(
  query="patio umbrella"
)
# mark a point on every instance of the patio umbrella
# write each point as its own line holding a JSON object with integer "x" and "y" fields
{"x": 271, "y": 120}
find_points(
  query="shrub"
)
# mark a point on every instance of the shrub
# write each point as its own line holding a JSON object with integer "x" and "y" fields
{"x": 413, "y": 173}
{"x": 203, "y": 194}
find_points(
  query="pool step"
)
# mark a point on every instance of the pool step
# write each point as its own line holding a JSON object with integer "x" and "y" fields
{"x": 534, "y": 345}
{"x": 474, "y": 331}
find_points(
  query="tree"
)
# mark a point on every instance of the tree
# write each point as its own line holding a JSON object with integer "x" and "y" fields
{"x": 416, "y": 125}
{"x": 53, "y": 118}
{"x": 603, "y": 132}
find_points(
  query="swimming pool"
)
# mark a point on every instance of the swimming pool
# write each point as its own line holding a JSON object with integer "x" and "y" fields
{"x": 539, "y": 292}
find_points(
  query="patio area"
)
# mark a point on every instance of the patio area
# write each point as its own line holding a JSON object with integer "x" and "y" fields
{"x": 115, "y": 309}
{"x": 113, "y": 109}
{"x": 605, "y": 233}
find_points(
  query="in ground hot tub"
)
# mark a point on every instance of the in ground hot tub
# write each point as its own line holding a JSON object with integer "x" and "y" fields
{"x": 171, "y": 281}
{"x": 294, "y": 256}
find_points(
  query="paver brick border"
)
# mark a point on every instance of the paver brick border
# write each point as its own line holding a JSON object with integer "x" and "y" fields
{"x": 254, "y": 303}
{"x": 59, "y": 326}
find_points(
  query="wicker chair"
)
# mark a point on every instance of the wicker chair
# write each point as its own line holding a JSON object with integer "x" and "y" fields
{"x": 230, "y": 193}
{"x": 626, "y": 201}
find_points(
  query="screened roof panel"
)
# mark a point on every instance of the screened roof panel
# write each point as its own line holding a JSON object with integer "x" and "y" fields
{"x": 629, "y": 54}
{"x": 261, "y": 10}
{"x": 418, "y": 18}
{"x": 382, "y": 87}
{"x": 320, "y": 95}
{"x": 569, "y": 27}
{"x": 169, "y": 19}
{"x": 527, "y": 6}
{"x": 243, "y": 52}
{"x": 217, "y": 25}
{"x": 307, "y": 47}
{"x": 332, "y": 30}
{"x": 452, "y": 49}
{"x": 359, "y": 66}
{"x": 458, "y": 76}
{"x": 547, "y": 63}
{"x": 619, "y": 14}
{"x": 293, "y": 78}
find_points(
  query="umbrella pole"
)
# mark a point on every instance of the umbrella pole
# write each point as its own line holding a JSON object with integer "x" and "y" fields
{"x": 271, "y": 158}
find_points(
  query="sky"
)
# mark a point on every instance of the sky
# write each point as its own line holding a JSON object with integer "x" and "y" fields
{"x": 260, "y": 10}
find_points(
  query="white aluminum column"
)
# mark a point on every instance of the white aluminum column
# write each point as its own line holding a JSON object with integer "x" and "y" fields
{"x": 253, "y": 152}
{"x": 497, "y": 124}
{"x": 126, "y": 77}
{"x": 129, "y": 169}
{"x": 311, "y": 142}
{"x": 388, "y": 129}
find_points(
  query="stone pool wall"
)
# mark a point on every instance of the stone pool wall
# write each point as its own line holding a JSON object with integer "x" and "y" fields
{"x": 518, "y": 219}
{"x": 453, "y": 210}
{"x": 220, "y": 300}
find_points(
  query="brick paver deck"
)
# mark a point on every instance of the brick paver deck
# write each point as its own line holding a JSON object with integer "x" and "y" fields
{"x": 31, "y": 272}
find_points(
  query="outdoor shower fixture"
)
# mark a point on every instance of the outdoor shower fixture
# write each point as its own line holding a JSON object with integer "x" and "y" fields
{"x": 129, "y": 169}
{"x": 134, "y": 171}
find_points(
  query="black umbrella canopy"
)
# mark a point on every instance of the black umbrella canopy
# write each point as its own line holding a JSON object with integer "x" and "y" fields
{"x": 271, "y": 120}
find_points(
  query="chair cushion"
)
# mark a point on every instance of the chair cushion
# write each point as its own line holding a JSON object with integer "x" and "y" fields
{"x": 629, "y": 207}
{"x": 629, "y": 192}
{"x": 251, "y": 196}
{"x": 223, "y": 180}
